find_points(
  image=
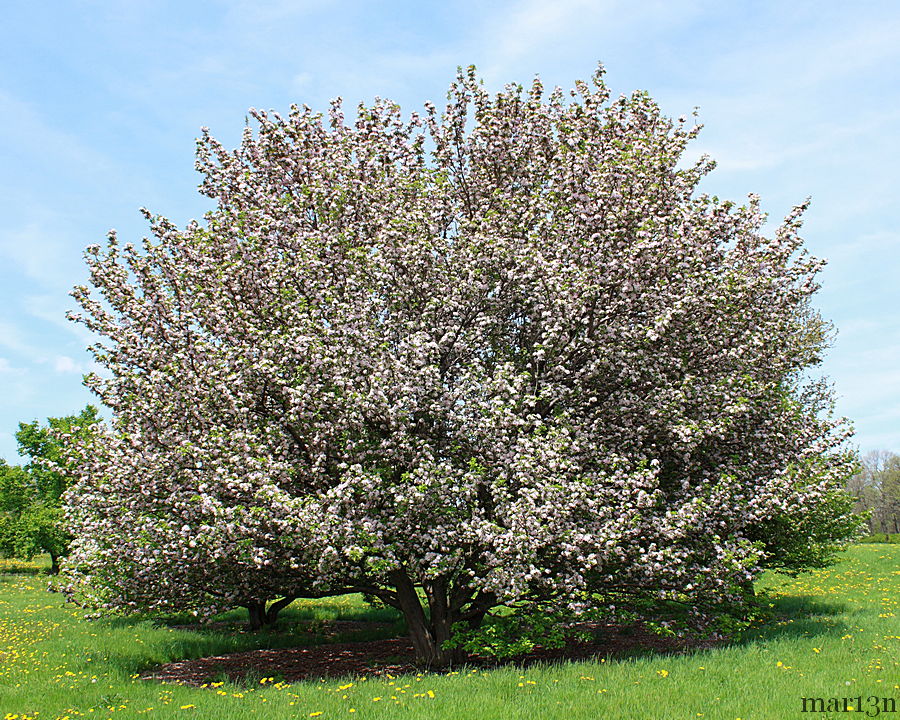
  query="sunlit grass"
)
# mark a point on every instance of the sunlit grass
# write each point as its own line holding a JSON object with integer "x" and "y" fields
{"x": 882, "y": 538}
{"x": 836, "y": 634}
{"x": 37, "y": 565}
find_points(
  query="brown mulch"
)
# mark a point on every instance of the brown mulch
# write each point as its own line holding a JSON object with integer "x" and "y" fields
{"x": 395, "y": 656}
{"x": 325, "y": 628}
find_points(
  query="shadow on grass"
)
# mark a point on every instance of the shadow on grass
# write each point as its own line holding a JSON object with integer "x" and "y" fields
{"x": 349, "y": 620}
{"x": 299, "y": 612}
{"x": 304, "y": 626}
{"x": 182, "y": 637}
{"x": 799, "y": 616}
{"x": 795, "y": 617}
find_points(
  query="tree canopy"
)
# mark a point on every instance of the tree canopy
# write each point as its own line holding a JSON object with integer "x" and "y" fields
{"x": 502, "y": 354}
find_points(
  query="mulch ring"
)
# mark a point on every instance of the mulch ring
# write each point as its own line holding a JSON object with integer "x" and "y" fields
{"x": 324, "y": 628}
{"x": 395, "y": 657}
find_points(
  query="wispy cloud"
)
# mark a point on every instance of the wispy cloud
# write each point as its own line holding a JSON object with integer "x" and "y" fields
{"x": 7, "y": 369}
{"x": 52, "y": 309}
{"x": 38, "y": 252}
{"x": 65, "y": 364}
{"x": 537, "y": 37}
{"x": 522, "y": 29}
{"x": 12, "y": 338}
{"x": 28, "y": 132}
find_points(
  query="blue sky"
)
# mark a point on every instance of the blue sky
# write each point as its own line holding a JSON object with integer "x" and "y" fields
{"x": 101, "y": 102}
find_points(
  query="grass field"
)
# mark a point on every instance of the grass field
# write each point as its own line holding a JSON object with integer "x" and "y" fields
{"x": 882, "y": 538}
{"x": 838, "y": 636}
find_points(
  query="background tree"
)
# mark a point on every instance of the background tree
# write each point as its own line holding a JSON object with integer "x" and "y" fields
{"x": 501, "y": 355}
{"x": 16, "y": 494}
{"x": 876, "y": 490}
{"x": 889, "y": 485}
{"x": 31, "y": 518}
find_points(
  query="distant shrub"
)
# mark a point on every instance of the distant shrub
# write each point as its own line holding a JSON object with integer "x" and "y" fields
{"x": 891, "y": 538}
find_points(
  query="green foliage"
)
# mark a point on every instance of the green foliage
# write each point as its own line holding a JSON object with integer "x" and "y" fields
{"x": 45, "y": 446}
{"x": 881, "y": 538}
{"x": 16, "y": 489}
{"x": 31, "y": 517}
{"x": 516, "y": 633}
{"x": 16, "y": 495}
{"x": 811, "y": 535}
{"x": 41, "y": 530}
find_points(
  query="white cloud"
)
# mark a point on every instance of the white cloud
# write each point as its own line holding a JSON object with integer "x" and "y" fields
{"x": 7, "y": 369}
{"x": 301, "y": 81}
{"x": 863, "y": 246}
{"x": 26, "y": 129}
{"x": 65, "y": 364}
{"x": 530, "y": 26}
{"x": 540, "y": 32}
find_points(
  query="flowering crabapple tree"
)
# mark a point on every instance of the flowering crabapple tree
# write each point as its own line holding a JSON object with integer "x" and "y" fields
{"x": 496, "y": 355}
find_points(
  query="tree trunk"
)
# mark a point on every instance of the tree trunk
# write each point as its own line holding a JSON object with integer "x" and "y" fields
{"x": 257, "y": 612}
{"x": 260, "y": 615}
{"x": 54, "y": 564}
{"x": 428, "y": 634}
{"x": 276, "y": 607}
{"x": 442, "y": 617}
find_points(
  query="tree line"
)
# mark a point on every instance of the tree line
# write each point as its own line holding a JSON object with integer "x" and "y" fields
{"x": 876, "y": 489}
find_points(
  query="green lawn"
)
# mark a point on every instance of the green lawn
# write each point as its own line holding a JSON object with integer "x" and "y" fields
{"x": 839, "y": 636}
{"x": 882, "y": 538}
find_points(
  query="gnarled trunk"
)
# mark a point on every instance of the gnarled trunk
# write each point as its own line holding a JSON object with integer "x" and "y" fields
{"x": 256, "y": 610}
{"x": 276, "y": 607}
{"x": 260, "y": 615}
{"x": 428, "y": 634}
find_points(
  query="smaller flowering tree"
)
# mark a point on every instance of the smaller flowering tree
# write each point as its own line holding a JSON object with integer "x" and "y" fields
{"x": 501, "y": 355}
